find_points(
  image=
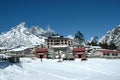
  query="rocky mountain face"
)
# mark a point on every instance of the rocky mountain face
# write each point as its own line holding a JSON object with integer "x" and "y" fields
{"x": 39, "y": 32}
{"x": 21, "y": 35}
{"x": 112, "y": 36}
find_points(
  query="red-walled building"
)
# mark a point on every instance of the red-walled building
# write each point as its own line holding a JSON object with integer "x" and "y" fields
{"x": 41, "y": 52}
{"x": 79, "y": 52}
{"x": 107, "y": 53}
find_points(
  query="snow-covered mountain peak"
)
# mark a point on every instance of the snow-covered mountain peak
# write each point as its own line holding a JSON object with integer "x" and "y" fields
{"x": 20, "y": 26}
{"x": 91, "y": 39}
{"x": 70, "y": 36}
{"x": 49, "y": 29}
{"x": 118, "y": 25}
{"x": 112, "y": 36}
{"x": 20, "y": 35}
{"x": 37, "y": 30}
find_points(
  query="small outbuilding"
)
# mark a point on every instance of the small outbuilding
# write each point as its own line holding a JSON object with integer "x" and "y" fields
{"x": 41, "y": 53}
{"x": 105, "y": 53}
{"x": 78, "y": 52}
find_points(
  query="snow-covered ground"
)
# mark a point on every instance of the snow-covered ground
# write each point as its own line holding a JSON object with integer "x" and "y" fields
{"x": 29, "y": 69}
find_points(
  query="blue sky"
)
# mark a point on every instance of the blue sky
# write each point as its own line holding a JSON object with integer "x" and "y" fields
{"x": 91, "y": 17}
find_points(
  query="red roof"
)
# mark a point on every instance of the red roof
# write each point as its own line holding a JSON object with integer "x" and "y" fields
{"x": 40, "y": 50}
{"x": 79, "y": 49}
{"x": 109, "y": 51}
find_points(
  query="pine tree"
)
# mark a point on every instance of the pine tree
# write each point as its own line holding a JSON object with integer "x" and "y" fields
{"x": 104, "y": 45}
{"x": 112, "y": 46}
{"x": 94, "y": 41}
{"x": 79, "y": 37}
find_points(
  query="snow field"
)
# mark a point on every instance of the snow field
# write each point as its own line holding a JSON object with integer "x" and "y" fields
{"x": 95, "y": 69}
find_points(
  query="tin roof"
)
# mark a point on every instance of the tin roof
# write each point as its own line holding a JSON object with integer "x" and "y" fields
{"x": 40, "y": 50}
{"x": 109, "y": 51}
{"x": 79, "y": 49}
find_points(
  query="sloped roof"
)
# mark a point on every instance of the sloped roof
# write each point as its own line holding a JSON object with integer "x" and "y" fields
{"x": 109, "y": 51}
{"x": 40, "y": 50}
{"x": 78, "y": 49}
{"x": 19, "y": 49}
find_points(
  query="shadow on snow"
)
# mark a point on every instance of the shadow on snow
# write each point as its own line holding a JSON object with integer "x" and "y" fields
{"x": 5, "y": 64}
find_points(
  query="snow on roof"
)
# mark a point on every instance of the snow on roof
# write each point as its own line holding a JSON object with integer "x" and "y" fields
{"x": 19, "y": 49}
{"x": 4, "y": 56}
{"x": 2, "y": 48}
{"x": 60, "y": 46}
{"x": 95, "y": 47}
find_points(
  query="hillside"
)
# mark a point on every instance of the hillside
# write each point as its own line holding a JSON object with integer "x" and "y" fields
{"x": 21, "y": 35}
{"x": 112, "y": 36}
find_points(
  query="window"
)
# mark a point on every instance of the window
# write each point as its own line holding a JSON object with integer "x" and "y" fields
{"x": 56, "y": 40}
{"x": 104, "y": 54}
{"x": 62, "y": 43}
{"x": 51, "y": 40}
{"x": 65, "y": 41}
{"x": 108, "y": 54}
{"x": 56, "y": 43}
{"x": 51, "y": 43}
{"x": 113, "y": 54}
{"x": 116, "y": 54}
